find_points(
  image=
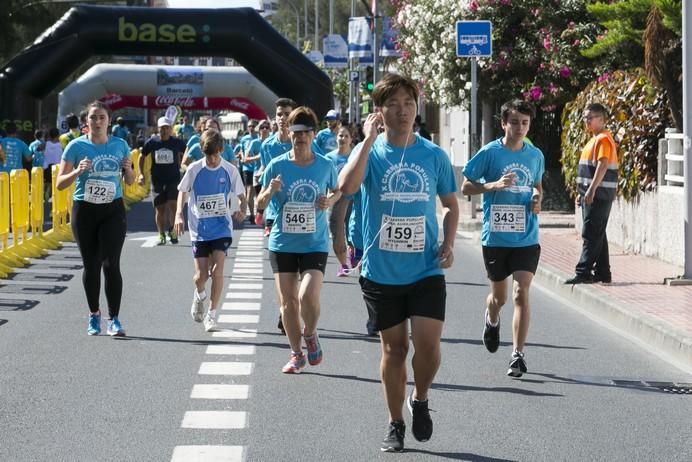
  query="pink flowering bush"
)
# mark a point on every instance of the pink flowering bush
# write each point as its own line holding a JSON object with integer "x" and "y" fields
{"x": 536, "y": 49}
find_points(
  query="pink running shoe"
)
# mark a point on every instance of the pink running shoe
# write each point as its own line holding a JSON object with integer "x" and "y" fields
{"x": 314, "y": 349}
{"x": 295, "y": 363}
{"x": 342, "y": 272}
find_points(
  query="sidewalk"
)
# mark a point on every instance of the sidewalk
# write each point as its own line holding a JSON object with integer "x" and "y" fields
{"x": 638, "y": 303}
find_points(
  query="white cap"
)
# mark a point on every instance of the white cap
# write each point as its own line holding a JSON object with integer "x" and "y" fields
{"x": 332, "y": 114}
{"x": 163, "y": 122}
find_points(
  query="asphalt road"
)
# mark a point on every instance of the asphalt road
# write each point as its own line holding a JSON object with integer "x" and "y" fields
{"x": 64, "y": 396}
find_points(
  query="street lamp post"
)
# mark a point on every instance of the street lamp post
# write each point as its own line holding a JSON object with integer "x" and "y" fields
{"x": 297, "y": 23}
{"x": 687, "y": 133}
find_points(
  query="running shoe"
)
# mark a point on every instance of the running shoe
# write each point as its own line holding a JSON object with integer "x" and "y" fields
{"x": 491, "y": 334}
{"x": 343, "y": 271}
{"x": 173, "y": 236}
{"x": 259, "y": 219}
{"x": 162, "y": 239}
{"x": 197, "y": 309}
{"x": 115, "y": 329}
{"x": 314, "y": 349}
{"x": 295, "y": 364}
{"x": 517, "y": 365}
{"x": 210, "y": 321}
{"x": 280, "y": 325}
{"x": 94, "y": 327}
{"x": 421, "y": 424}
{"x": 394, "y": 440}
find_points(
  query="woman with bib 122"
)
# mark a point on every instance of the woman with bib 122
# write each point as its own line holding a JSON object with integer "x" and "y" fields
{"x": 96, "y": 163}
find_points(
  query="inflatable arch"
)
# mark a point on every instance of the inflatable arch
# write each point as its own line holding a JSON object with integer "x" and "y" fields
{"x": 136, "y": 85}
{"x": 85, "y": 30}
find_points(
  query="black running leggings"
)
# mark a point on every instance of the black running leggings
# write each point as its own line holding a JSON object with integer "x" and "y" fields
{"x": 99, "y": 230}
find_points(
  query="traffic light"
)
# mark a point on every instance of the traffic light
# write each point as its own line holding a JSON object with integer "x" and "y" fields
{"x": 368, "y": 82}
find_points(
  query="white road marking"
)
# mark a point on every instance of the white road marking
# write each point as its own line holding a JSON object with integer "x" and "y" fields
{"x": 225, "y": 368}
{"x": 248, "y": 259}
{"x": 241, "y": 306}
{"x": 247, "y": 271}
{"x": 246, "y": 286}
{"x": 231, "y": 350}
{"x": 221, "y": 420}
{"x": 239, "y": 318}
{"x": 208, "y": 454}
{"x": 248, "y": 265}
{"x": 249, "y": 253}
{"x": 235, "y": 333}
{"x": 149, "y": 241}
{"x": 244, "y": 295}
{"x": 220, "y": 391}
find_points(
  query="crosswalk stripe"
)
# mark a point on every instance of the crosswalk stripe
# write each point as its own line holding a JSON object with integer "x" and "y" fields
{"x": 225, "y": 368}
{"x": 235, "y": 333}
{"x": 231, "y": 350}
{"x": 249, "y": 253}
{"x": 248, "y": 270}
{"x": 219, "y": 391}
{"x": 244, "y": 295}
{"x": 243, "y": 285}
{"x": 220, "y": 420}
{"x": 239, "y": 318}
{"x": 241, "y": 306}
{"x": 208, "y": 453}
{"x": 248, "y": 265}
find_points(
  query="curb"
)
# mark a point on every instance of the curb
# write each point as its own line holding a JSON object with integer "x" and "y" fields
{"x": 660, "y": 337}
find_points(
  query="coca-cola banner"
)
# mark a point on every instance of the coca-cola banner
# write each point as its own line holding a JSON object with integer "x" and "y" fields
{"x": 235, "y": 104}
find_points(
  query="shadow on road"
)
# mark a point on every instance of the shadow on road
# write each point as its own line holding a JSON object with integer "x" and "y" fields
{"x": 11, "y": 304}
{"x": 441, "y": 386}
{"x": 459, "y": 456}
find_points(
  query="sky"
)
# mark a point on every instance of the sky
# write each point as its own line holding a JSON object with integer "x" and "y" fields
{"x": 214, "y": 3}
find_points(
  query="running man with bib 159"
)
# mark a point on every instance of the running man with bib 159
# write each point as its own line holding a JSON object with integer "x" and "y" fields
{"x": 400, "y": 176}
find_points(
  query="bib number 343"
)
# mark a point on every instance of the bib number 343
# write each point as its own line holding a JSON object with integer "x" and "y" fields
{"x": 507, "y": 218}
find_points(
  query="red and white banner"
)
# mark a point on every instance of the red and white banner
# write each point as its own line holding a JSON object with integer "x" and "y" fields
{"x": 235, "y": 104}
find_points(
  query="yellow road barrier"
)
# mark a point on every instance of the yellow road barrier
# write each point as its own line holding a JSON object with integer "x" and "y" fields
{"x": 7, "y": 258}
{"x": 37, "y": 212}
{"x": 60, "y": 210}
{"x": 19, "y": 212}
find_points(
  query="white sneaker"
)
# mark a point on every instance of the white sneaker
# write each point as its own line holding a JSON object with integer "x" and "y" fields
{"x": 210, "y": 321}
{"x": 197, "y": 309}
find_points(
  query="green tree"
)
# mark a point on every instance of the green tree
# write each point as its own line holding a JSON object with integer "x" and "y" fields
{"x": 644, "y": 33}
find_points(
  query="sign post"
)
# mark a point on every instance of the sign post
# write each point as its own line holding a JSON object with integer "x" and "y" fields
{"x": 474, "y": 40}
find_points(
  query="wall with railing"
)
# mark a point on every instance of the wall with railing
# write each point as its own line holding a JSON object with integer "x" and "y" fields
{"x": 670, "y": 159}
{"x": 22, "y": 213}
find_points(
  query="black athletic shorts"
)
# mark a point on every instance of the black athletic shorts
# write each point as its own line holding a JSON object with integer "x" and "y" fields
{"x": 390, "y": 305}
{"x": 203, "y": 249}
{"x": 501, "y": 262}
{"x": 164, "y": 192}
{"x": 247, "y": 178}
{"x": 286, "y": 262}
